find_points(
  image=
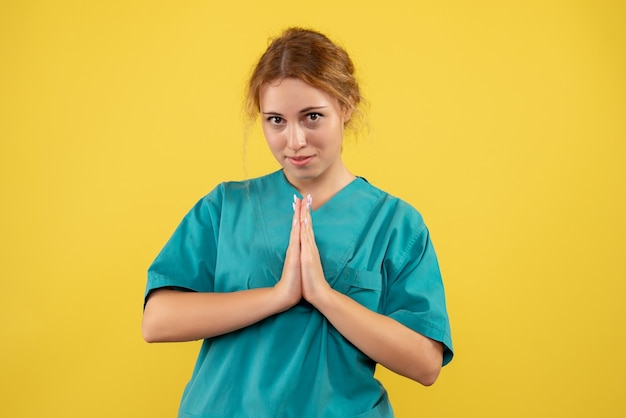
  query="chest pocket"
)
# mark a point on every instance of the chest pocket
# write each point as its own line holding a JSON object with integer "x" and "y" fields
{"x": 363, "y": 286}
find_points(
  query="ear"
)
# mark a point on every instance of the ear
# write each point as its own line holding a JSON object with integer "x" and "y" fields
{"x": 347, "y": 113}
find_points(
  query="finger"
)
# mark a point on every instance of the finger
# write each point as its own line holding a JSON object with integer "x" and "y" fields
{"x": 305, "y": 212}
{"x": 307, "y": 237}
{"x": 295, "y": 225}
{"x": 292, "y": 257}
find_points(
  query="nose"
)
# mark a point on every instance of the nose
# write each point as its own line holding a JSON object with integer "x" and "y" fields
{"x": 296, "y": 139}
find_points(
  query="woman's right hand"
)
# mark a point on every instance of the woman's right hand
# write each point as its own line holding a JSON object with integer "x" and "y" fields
{"x": 173, "y": 315}
{"x": 290, "y": 284}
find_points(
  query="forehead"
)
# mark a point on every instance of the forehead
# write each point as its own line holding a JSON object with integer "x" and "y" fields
{"x": 288, "y": 93}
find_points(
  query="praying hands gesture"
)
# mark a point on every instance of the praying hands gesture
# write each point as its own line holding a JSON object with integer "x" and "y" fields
{"x": 302, "y": 275}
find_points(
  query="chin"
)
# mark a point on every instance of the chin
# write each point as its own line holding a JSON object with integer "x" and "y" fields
{"x": 301, "y": 175}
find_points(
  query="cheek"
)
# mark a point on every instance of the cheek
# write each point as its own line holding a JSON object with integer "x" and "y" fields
{"x": 334, "y": 135}
{"x": 273, "y": 139}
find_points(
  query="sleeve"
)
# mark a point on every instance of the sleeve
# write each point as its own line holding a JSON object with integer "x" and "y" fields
{"x": 415, "y": 295}
{"x": 187, "y": 262}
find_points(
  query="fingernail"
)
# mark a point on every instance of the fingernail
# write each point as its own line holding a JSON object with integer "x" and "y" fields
{"x": 293, "y": 205}
{"x": 295, "y": 198}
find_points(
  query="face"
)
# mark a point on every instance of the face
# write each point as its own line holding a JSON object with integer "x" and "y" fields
{"x": 303, "y": 127}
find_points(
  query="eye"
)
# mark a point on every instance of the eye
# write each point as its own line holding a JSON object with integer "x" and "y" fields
{"x": 313, "y": 117}
{"x": 275, "y": 120}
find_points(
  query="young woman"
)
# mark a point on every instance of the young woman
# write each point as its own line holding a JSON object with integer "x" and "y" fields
{"x": 301, "y": 281}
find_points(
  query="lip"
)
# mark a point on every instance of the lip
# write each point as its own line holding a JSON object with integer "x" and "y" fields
{"x": 300, "y": 161}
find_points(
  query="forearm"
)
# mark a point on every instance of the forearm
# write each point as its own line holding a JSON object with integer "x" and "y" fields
{"x": 171, "y": 315}
{"x": 383, "y": 339}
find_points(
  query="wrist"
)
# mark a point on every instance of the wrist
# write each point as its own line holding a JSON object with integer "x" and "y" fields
{"x": 321, "y": 297}
{"x": 284, "y": 297}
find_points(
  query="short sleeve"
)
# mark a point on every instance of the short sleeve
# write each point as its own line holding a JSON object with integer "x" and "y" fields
{"x": 187, "y": 261}
{"x": 415, "y": 295}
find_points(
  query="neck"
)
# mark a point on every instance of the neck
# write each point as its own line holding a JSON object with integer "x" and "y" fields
{"x": 322, "y": 189}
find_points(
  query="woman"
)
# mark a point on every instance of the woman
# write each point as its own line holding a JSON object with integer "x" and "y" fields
{"x": 300, "y": 281}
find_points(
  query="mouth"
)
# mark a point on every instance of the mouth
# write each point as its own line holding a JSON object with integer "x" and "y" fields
{"x": 300, "y": 161}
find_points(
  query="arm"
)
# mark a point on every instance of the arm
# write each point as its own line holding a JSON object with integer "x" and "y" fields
{"x": 172, "y": 315}
{"x": 382, "y": 338}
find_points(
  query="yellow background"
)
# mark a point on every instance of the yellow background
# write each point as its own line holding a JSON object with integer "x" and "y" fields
{"x": 504, "y": 123}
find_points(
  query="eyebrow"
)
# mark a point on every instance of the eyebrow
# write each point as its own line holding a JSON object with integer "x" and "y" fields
{"x": 305, "y": 110}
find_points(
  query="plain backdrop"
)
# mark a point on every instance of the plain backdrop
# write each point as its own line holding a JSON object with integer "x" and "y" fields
{"x": 502, "y": 122}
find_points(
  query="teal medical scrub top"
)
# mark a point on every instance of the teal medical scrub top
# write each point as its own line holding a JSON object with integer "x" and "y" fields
{"x": 374, "y": 248}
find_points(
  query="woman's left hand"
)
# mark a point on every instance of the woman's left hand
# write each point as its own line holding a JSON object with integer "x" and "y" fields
{"x": 380, "y": 337}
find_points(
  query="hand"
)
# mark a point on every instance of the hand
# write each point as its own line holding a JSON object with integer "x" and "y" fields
{"x": 314, "y": 284}
{"x": 290, "y": 283}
